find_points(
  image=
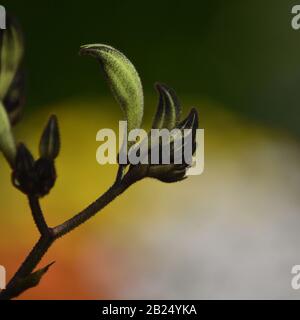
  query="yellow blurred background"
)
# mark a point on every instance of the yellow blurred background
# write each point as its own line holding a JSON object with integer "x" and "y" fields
{"x": 230, "y": 233}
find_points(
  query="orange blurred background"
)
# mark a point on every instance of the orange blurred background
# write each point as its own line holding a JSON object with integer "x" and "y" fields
{"x": 227, "y": 233}
{"x": 232, "y": 232}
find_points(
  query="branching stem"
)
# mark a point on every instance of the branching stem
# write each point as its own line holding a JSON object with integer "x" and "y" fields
{"x": 50, "y": 235}
{"x": 38, "y": 216}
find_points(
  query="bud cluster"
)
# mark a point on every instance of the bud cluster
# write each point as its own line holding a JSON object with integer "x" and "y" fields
{"x": 37, "y": 178}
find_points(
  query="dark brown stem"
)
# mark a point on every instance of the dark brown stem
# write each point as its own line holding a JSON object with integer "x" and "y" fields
{"x": 27, "y": 267}
{"x": 38, "y": 215}
{"x": 80, "y": 218}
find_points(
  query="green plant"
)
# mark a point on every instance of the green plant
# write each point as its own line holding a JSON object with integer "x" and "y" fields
{"x": 36, "y": 177}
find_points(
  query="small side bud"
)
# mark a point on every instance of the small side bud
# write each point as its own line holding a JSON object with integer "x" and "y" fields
{"x": 30, "y": 281}
{"x": 50, "y": 140}
{"x": 183, "y": 145}
{"x": 45, "y": 176}
{"x": 33, "y": 177}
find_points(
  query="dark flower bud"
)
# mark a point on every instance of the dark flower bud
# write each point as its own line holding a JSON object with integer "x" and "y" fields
{"x": 189, "y": 127}
{"x": 24, "y": 159}
{"x": 50, "y": 140}
{"x": 182, "y": 142}
{"x": 177, "y": 172}
{"x": 45, "y": 176}
{"x": 167, "y": 172}
{"x": 30, "y": 281}
{"x": 23, "y": 176}
{"x": 168, "y": 110}
{"x": 34, "y": 178}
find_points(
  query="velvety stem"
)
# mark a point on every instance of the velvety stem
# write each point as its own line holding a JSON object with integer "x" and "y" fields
{"x": 48, "y": 239}
{"x": 38, "y": 215}
{"x": 93, "y": 208}
{"x": 27, "y": 267}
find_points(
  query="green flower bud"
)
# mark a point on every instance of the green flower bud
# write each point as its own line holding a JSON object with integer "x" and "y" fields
{"x": 11, "y": 85}
{"x": 123, "y": 80}
{"x": 11, "y": 69}
{"x": 167, "y": 117}
{"x": 168, "y": 110}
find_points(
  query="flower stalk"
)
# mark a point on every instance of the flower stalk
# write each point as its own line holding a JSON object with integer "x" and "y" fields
{"x": 36, "y": 177}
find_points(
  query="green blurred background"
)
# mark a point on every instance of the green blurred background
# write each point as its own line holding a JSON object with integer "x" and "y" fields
{"x": 241, "y": 54}
{"x": 232, "y": 232}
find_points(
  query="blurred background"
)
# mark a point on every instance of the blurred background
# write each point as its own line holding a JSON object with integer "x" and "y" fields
{"x": 232, "y": 232}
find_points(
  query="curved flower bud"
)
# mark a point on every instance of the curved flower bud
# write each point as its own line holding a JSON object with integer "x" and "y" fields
{"x": 123, "y": 80}
{"x": 177, "y": 172}
{"x": 159, "y": 117}
{"x": 190, "y": 125}
{"x": 168, "y": 110}
{"x": 182, "y": 140}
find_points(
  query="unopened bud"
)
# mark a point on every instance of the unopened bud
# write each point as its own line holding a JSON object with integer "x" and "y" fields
{"x": 50, "y": 140}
